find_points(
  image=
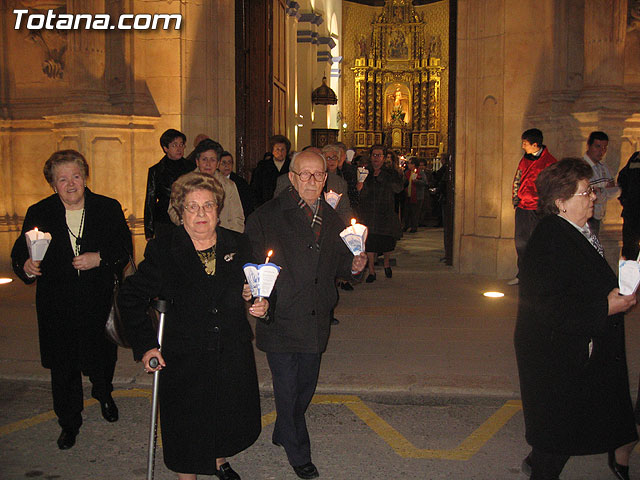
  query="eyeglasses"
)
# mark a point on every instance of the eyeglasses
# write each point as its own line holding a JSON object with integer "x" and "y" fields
{"x": 586, "y": 193}
{"x": 332, "y": 157}
{"x": 176, "y": 145}
{"x": 378, "y": 155}
{"x": 226, "y": 162}
{"x": 195, "y": 208}
{"x": 306, "y": 176}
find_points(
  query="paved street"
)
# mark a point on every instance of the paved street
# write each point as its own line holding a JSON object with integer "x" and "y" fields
{"x": 419, "y": 382}
{"x": 352, "y": 438}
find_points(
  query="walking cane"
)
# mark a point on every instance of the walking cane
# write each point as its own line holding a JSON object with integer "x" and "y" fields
{"x": 161, "y": 306}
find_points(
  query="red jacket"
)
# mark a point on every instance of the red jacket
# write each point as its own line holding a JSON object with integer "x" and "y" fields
{"x": 524, "y": 192}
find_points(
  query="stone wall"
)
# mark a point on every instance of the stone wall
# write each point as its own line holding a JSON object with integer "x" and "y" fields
{"x": 109, "y": 95}
{"x": 562, "y": 66}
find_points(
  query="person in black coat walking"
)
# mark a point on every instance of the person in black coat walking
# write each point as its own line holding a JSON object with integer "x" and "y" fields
{"x": 244, "y": 190}
{"x": 629, "y": 183}
{"x": 569, "y": 336}
{"x": 159, "y": 180}
{"x": 275, "y": 163}
{"x": 90, "y": 243}
{"x": 303, "y": 232}
{"x": 209, "y": 399}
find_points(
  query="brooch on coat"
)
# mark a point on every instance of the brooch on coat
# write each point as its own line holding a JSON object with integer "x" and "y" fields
{"x": 229, "y": 256}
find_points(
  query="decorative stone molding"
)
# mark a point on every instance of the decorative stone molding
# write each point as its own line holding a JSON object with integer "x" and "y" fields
{"x": 53, "y": 42}
{"x": 293, "y": 9}
{"x": 313, "y": 18}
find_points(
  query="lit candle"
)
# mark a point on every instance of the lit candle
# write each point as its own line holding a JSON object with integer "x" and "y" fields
{"x": 269, "y": 253}
{"x": 353, "y": 225}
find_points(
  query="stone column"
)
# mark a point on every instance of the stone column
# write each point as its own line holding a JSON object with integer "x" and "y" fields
{"x": 86, "y": 62}
{"x": 604, "y": 37}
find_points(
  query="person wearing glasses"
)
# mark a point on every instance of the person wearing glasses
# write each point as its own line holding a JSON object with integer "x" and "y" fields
{"x": 377, "y": 209}
{"x": 209, "y": 399}
{"x": 161, "y": 177}
{"x": 207, "y": 155}
{"x": 569, "y": 336}
{"x": 303, "y": 232}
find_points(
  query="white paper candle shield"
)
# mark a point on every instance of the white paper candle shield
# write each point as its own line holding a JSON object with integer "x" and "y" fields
{"x": 355, "y": 237}
{"x": 628, "y": 276}
{"x": 37, "y": 243}
{"x": 362, "y": 174}
{"x": 332, "y": 198}
{"x": 261, "y": 278}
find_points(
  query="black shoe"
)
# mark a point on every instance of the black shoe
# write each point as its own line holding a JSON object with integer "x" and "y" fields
{"x": 109, "y": 410}
{"x": 335, "y": 321}
{"x": 371, "y": 278}
{"x": 387, "y": 272}
{"x": 277, "y": 444}
{"x": 620, "y": 471}
{"x": 225, "y": 472}
{"x": 308, "y": 470}
{"x": 346, "y": 286}
{"x": 67, "y": 439}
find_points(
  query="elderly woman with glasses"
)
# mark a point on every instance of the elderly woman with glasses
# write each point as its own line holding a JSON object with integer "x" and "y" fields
{"x": 209, "y": 400}
{"x": 569, "y": 336}
{"x": 377, "y": 209}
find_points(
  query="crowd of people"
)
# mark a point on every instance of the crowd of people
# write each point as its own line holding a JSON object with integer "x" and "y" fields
{"x": 203, "y": 223}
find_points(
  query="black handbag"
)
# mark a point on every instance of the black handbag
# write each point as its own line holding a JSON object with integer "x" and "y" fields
{"x": 114, "y": 329}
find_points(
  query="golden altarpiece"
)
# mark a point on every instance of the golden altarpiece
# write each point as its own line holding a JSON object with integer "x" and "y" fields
{"x": 397, "y": 83}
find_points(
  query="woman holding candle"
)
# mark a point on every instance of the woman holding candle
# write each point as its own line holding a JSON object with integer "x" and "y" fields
{"x": 377, "y": 210}
{"x": 569, "y": 336}
{"x": 90, "y": 242}
{"x": 209, "y": 400}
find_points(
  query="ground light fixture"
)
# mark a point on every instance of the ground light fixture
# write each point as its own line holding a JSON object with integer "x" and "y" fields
{"x": 4, "y": 280}
{"x": 493, "y": 294}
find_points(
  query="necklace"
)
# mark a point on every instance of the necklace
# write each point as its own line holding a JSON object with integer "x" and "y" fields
{"x": 78, "y": 237}
{"x": 208, "y": 259}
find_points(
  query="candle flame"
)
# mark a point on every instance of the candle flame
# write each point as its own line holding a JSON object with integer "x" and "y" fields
{"x": 269, "y": 253}
{"x": 35, "y": 228}
{"x": 353, "y": 221}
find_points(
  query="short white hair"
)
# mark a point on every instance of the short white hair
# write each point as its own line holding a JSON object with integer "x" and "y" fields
{"x": 297, "y": 154}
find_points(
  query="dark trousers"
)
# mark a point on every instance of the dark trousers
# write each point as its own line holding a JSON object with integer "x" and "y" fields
{"x": 630, "y": 237}
{"x": 526, "y": 221}
{"x": 412, "y": 217}
{"x": 295, "y": 376}
{"x": 66, "y": 388}
{"x": 545, "y": 465}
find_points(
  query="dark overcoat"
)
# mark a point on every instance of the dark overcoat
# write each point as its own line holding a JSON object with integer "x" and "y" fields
{"x": 570, "y": 353}
{"x": 305, "y": 290}
{"x": 209, "y": 399}
{"x": 72, "y": 305}
{"x": 377, "y": 202}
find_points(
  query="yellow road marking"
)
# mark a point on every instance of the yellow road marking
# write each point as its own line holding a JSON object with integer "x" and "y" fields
{"x": 50, "y": 415}
{"x": 403, "y": 447}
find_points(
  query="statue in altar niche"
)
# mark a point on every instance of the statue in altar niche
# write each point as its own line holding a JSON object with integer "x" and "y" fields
{"x": 397, "y": 104}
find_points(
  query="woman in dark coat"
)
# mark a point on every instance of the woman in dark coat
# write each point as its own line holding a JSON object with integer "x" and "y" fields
{"x": 569, "y": 336}
{"x": 90, "y": 242}
{"x": 209, "y": 399}
{"x": 377, "y": 210}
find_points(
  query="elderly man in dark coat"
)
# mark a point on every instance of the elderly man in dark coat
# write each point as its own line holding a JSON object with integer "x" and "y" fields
{"x": 304, "y": 233}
